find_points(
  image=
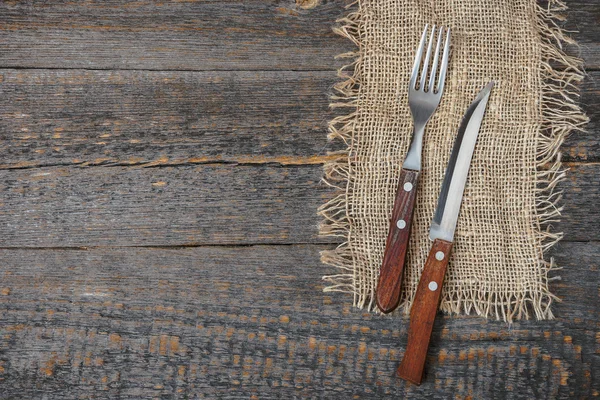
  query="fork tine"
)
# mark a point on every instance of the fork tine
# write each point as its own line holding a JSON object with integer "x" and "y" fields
{"x": 444, "y": 66}
{"x": 436, "y": 59}
{"x": 415, "y": 70}
{"x": 426, "y": 62}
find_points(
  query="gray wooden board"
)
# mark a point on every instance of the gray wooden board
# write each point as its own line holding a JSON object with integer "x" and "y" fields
{"x": 252, "y": 321}
{"x": 200, "y": 205}
{"x": 186, "y": 35}
{"x": 50, "y": 117}
{"x": 582, "y": 24}
{"x": 67, "y": 117}
{"x": 187, "y": 205}
{"x": 584, "y": 145}
{"x": 199, "y": 35}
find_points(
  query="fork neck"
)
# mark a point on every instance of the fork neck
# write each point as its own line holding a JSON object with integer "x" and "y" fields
{"x": 413, "y": 157}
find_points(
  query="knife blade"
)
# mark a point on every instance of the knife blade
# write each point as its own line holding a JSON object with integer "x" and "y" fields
{"x": 443, "y": 226}
{"x": 446, "y": 214}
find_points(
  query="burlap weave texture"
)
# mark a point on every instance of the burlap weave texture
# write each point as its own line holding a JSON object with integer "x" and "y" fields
{"x": 498, "y": 268}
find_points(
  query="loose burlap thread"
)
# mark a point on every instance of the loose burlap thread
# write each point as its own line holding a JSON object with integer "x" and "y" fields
{"x": 497, "y": 268}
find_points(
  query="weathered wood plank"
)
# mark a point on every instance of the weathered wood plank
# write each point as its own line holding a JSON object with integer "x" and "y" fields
{"x": 50, "y": 117}
{"x": 581, "y": 214}
{"x": 582, "y": 23}
{"x": 187, "y": 35}
{"x": 234, "y": 322}
{"x": 199, "y": 204}
{"x": 200, "y": 35}
{"x": 585, "y": 146}
{"x": 124, "y": 206}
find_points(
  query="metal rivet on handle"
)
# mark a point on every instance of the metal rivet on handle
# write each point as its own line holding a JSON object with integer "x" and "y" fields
{"x": 439, "y": 255}
{"x": 401, "y": 224}
{"x": 408, "y": 187}
{"x": 433, "y": 286}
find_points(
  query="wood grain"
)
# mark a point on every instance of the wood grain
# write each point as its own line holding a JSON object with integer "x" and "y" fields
{"x": 389, "y": 284}
{"x": 582, "y": 24}
{"x": 75, "y": 117}
{"x": 423, "y": 311}
{"x": 191, "y": 322}
{"x": 160, "y": 206}
{"x": 200, "y": 204}
{"x": 201, "y": 35}
{"x": 182, "y": 35}
{"x": 584, "y": 146}
{"x": 169, "y": 125}
{"x": 580, "y": 212}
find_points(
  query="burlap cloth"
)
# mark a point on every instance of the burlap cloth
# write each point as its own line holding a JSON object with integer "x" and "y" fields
{"x": 497, "y": 268}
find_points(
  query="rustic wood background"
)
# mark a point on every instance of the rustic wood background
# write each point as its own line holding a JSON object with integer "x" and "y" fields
{"x": 160, "y": 168}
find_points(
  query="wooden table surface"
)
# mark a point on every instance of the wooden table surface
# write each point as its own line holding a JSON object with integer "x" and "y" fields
{"x": 160, "y": 169}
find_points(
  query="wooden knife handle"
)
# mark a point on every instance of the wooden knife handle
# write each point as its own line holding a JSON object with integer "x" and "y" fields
{"x": 390, "y": 274}
{"x": 422, "y": 313}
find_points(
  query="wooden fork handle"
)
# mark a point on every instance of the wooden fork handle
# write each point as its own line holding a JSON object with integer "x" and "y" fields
{"x": 396, "y": 247}
{"x": 422, "y": 313}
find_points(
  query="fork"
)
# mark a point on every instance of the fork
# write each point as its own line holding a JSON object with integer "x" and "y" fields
{"x": 425, "y": 90}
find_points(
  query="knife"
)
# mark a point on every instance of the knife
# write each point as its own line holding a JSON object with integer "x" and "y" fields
{"x": 427, "y": 297}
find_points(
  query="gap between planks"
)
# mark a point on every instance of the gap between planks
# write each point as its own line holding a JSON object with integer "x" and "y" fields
{"x": 285, "y": 161}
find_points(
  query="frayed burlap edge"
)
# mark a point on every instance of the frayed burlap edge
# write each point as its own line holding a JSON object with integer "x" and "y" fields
{"x": 560, "y": 114}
